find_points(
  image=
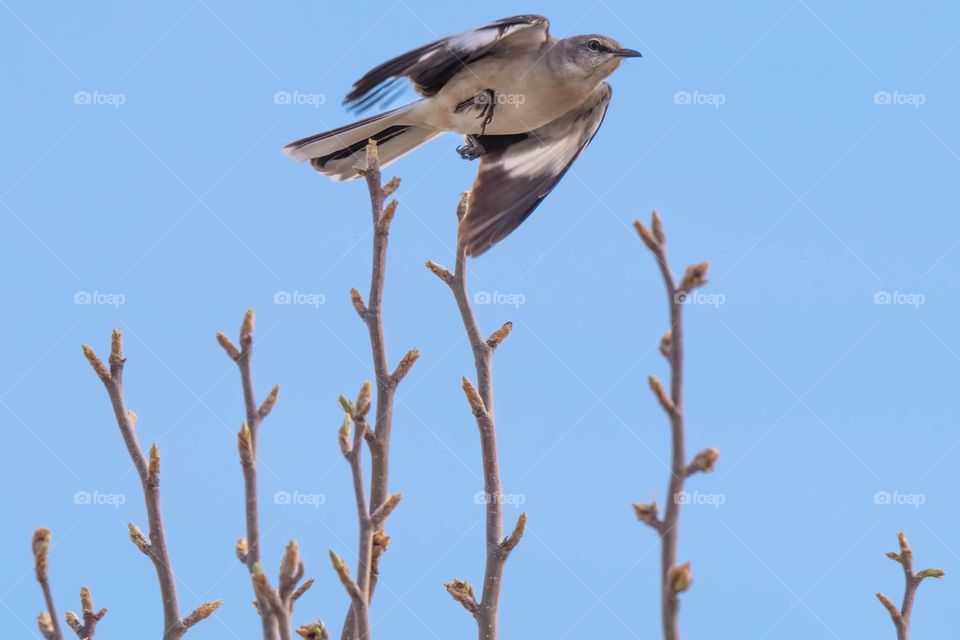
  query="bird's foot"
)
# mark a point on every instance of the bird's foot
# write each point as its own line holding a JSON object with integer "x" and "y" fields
{"x": 472, "y": 149}
{"x": 486, "y": 100}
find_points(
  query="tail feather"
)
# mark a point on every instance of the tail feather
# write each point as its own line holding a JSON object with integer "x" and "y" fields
{"x": 335, "y": 153}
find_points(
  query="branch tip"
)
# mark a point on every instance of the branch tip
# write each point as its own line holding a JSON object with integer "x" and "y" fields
{"x": 358, "y": 303}
{"x": 269, "y": 402}
{"x": 440, "y": 271}
{"x": 462, "y": 592}
{"x": 406, "y": 363}
{"x": 246, "y": 328}
{"x": 202, "y": 612}
{"x": 228, "y": 346}
{"x": 499, "y": 335}
{"x": 704, "y": 462}
{"x": 138, "y": 539}
{"x": 473, "y": 397}
{"x": 661, "y": 394}
{"x": 315, "y": 631}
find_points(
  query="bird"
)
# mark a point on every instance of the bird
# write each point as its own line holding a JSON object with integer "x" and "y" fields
{"x": 527, "y": 104}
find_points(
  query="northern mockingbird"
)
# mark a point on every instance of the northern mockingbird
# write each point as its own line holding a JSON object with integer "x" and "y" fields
{"x": 527, "y": 103}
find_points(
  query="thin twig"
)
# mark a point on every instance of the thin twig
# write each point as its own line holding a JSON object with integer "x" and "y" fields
{"x": 377, "y": 438}
{"x": 275, "y": 606}
{"x": 480, "y": 399}
{"x": 675, "y": 578}
{"x": 85, "y": 625}
{"x": 154, "y": 547}
{"x": 47, "y": 621}
{"x": 901, "y": 616}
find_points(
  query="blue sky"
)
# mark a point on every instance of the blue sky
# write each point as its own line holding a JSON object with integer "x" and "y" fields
{"x": 805, "y": 148}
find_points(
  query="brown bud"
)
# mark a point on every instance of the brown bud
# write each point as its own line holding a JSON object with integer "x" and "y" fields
{"x": 97, "y": 364}
{"x": 116, "y": 349}
{"x": 41, "y": 547}
{"x": 137, "y": 538}
{"x": 228, "y": 346}
{"x": 462, "y": 592}
{"x": 661, "y": 394}
{"x": 315, "y": 631}
{"x": 362, "y": 408}
{"x": 373, "y": 158}
{"x": 246, "y": 328}
{"x": 291, "y": 559}
{"x": 154, "y": 465}
{"x": 499, "y": 335}
{"x": 440, "y": 271}
{"x": 270, "y": 400}
{"x": 648, "y": 514}
{"x": 473, "y": 397}
{"x": 389, "y": 211}
{"x": 408, "y": 360}
{"x": 390, "y": 188}
{"x": 86, "y": 600}
{"x": 302, "y": 589}
{"x": 704, "y": 461}
{"x": 245, "y": 445}
{"x": 202, "y": 612}
{"x": 242, "y": 549}
{"x": 680, "y": 577}
{"x": 358, "y": 304}
{"x": 931, "y": 573}
{"x": 343, "y": 436}
{"x": 384, "y": 510}
{"x": 695, "y": 276}
{"x": 380, "y": 542}
{"x": 45, "y": 623}
{"x": 513, "y": 539}
{"x": 657, "y": 226}
{"x": 73, "y": 621}
{"x": 666, "y": 344}
{"x": 646, "y": 235}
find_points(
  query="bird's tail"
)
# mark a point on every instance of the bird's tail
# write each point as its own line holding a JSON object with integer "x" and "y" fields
{"x": 335, "y": 153}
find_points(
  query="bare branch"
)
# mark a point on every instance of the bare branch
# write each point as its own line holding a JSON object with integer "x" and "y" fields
{"x": 274, "y": 605}
{"x": 47, "y": 620}
{"x": 85, "y": 625}
{"x": 675, "y": 578}
{"x": 901, "y": 616}
{"x": 148, "y": 469}
{"x": 377, "y": 437}
{"x": 480, "y": 399}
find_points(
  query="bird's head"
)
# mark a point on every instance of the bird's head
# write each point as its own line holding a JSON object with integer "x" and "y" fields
{"x": 594, "y": 55}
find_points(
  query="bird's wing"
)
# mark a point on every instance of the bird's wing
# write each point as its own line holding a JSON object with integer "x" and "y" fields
{"x": 432, "y": 65}
{"x": 518, "y": 171}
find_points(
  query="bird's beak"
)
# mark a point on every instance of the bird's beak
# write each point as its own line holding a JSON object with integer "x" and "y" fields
{"x": 627, "y": 53}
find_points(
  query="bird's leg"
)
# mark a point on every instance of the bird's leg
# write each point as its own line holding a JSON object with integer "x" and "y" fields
{"x": 487, "y": 101}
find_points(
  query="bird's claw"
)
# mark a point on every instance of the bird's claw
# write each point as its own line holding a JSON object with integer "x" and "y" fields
{"x": 472, "y": 149}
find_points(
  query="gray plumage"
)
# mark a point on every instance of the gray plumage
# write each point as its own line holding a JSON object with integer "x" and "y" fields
{"x": 526, "y": 102}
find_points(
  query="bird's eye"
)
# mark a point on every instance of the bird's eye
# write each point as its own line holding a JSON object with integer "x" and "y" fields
{"x": 594, "y": 45}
